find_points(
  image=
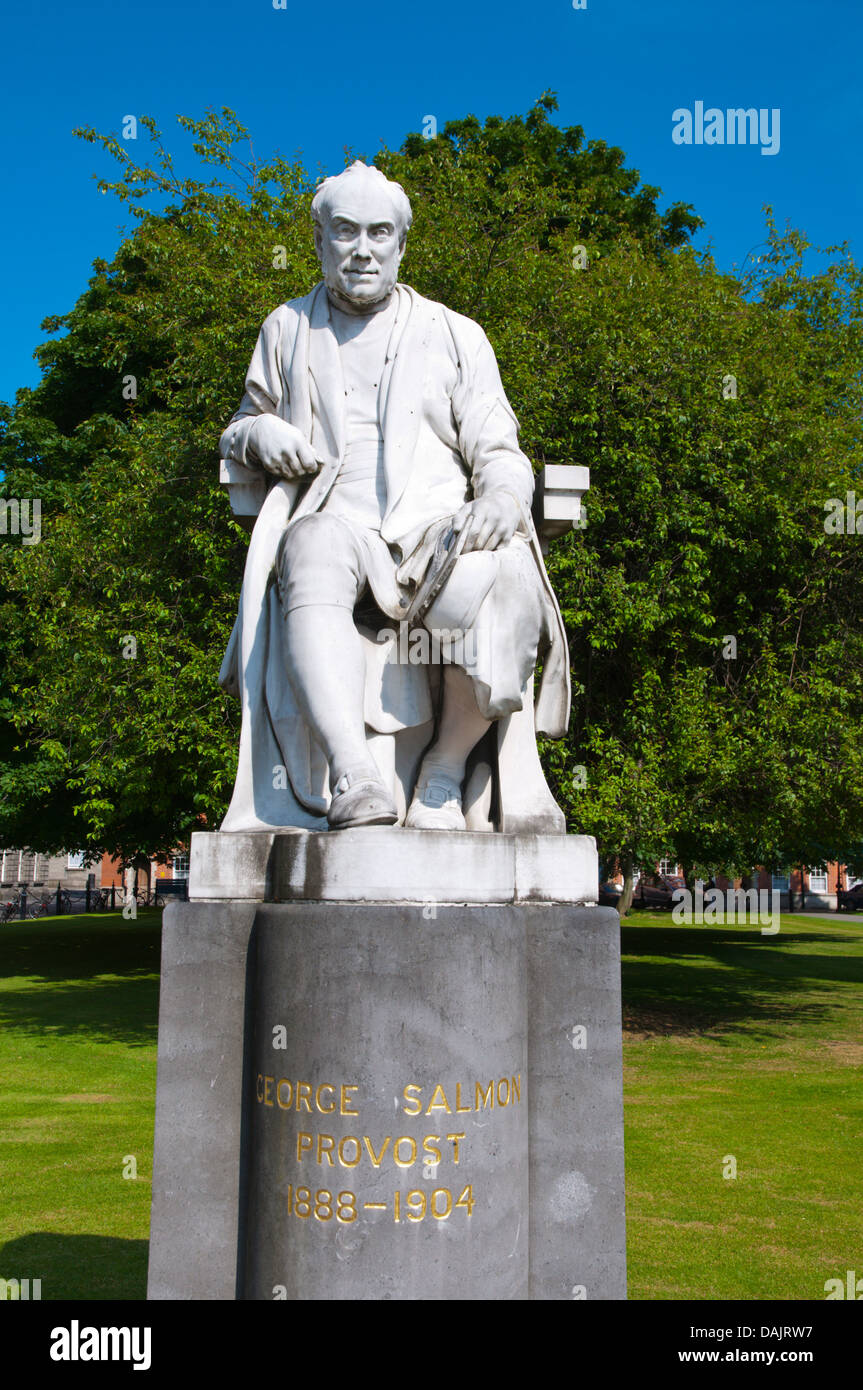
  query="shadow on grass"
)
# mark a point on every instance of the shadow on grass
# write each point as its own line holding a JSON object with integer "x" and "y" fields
{"x": 740, "y": 977}
{"x": 78, "y": 1267}
{"x": 66, "y": 962}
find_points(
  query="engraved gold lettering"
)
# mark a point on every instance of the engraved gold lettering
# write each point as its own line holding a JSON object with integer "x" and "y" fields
{"x": 326, "y": 1144}
{"x": 435, "y": 1104}
{"x": 467, "y": 1200}
{"x": 430, "y": 1148}
{"x": 345, "y": 1098}
{"x": 349, "y": 1139}
{"x": 484, "y": 1097}
{"x": 323, "y": 1205}
{"x": 259, "y": 1082}
{"x": 376, "y": 1158}
{"x": 503, "y": 1102}
{"x": 268, "y": 1081}
{"x": 459, "y": 1108}
{"x": 347, "y": 1208}
{"x": 416, "y": 1205}
{"x": 284, "y": 1104}
{"x": 325, "y": 1109}
{"x": 516, "y": 1089}
{"x": 304, "y": 1093}
{"x": 304, "y": 1141}
{"x": 402, "y": 1162}
{"x": 412, "y": 1101}
{"x": 453, "y": 1139}
{"x": 447, "y": 1196}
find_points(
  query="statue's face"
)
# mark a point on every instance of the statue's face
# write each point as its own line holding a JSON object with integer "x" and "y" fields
{"x": 361, "y": 246}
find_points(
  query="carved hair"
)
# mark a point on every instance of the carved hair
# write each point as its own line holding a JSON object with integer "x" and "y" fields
{"x": 328, "y": 191}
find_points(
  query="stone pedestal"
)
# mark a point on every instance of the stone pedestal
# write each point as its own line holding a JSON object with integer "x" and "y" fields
{"x": 364, "y": 1094}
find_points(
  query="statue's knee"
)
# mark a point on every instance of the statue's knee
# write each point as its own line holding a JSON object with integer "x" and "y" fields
{"x": 313, "y": 540}
{"x": 316, "y": 563}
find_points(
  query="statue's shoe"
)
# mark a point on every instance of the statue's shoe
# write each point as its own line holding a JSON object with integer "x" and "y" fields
{"x": 361, "y": 799}
{"x": 436, "y": 804}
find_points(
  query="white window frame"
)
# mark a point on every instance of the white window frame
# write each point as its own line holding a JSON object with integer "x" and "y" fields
{"x": 180, "y": 866}
{"x": 818, "y": 881}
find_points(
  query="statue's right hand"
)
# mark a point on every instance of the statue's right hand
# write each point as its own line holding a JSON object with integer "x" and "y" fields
{"x": 281, "y": 448}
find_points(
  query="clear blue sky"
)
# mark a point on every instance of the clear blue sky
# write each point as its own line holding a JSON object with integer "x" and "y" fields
{"x": 316, "y": 77}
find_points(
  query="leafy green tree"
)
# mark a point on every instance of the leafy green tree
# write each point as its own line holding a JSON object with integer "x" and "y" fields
{"x": 716, "y": 638}
{"x": 111, "y": 743}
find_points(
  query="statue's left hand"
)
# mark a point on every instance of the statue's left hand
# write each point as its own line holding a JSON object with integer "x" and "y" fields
{"x": 493, "y": 520}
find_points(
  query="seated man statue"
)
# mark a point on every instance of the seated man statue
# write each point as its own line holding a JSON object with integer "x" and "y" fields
{"x": 396, "y": 493}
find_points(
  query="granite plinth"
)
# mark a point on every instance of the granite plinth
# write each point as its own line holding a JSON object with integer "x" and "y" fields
{"x": 317, "y": 1055}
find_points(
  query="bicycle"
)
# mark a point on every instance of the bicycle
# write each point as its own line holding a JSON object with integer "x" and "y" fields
{"x": 11, "y": 911}
{"x": 154, "y": 899}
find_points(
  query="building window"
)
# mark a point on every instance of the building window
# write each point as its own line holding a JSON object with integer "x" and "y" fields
{"x": 817, "y": 881}
{"x": 75, "y": 859}
{"x": 180, "y": 863}
{"x": 780, "y": 883}
{"x": 22, "y": 866}
{"x": 666, "y": 867}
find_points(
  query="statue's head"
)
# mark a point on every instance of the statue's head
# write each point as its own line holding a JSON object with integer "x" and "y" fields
{"x": 361, "y": 223}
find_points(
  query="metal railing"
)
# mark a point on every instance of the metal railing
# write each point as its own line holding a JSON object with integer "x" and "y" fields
{"x": 26, "y": 905}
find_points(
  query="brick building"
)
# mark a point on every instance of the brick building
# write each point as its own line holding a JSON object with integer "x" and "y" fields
{"x": 41, "y": 874}
{"x": 819, "y": 885}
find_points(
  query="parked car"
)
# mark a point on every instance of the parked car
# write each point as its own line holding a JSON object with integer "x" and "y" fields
{"x": 850, "y": 899}
{"x": 610, "y": 893}
{"x": 657, "y": 890}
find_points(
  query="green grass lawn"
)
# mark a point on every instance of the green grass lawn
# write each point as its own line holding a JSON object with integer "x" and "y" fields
{"x": 78, "y": 1009}
{"x": 750, "y": 1046}
{"x": 735, "y": 1044}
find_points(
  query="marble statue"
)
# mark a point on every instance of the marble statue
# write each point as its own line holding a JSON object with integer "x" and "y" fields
{"x": 395, "y": 602}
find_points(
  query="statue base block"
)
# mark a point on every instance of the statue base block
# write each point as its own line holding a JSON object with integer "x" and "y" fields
{"x": 392, "y": 1099}
{"x": 386, "y": 864}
